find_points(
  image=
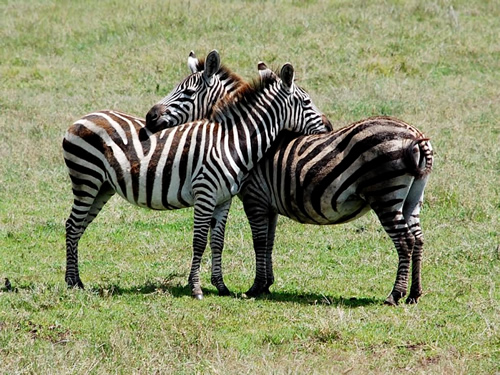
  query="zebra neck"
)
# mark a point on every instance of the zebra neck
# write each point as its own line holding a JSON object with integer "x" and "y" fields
{"x": 249, "y": 134}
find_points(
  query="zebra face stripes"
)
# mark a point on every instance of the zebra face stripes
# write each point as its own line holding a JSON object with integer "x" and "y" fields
{"x": 379, "y": 163}
{"x": 194, "y": 97}
{"x": 201, "y": 164}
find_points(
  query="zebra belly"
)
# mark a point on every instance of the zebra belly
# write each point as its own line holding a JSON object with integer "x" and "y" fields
{"x": 158, "y": 202}
{"x": 343, "y": 211}
{"x": 160, "y": 193}
{"x": 177, "y": 193}
{"x": 347, "y": 210}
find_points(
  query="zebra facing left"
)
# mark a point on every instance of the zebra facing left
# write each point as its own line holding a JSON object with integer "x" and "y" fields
{"x": 201, "y": 164}
{"x": 129, "y": 144}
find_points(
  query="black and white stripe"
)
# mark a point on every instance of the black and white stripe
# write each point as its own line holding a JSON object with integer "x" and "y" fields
{"x": 200, "y": 164}
{"x": 380, "y": 163}
{"x": 196, "y": 96}
{"x": 130, "y": 148}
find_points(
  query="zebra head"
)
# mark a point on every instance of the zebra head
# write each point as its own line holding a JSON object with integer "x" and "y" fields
{"x": 193, "y": 98}
{"x": 302, "y": 115}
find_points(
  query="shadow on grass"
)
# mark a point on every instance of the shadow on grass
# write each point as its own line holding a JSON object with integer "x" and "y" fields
{"x": 321, "y": 299}
{"x": 293, "y": 297}
{"x": 148, "y": 288}
{"x": 176, "y": 290}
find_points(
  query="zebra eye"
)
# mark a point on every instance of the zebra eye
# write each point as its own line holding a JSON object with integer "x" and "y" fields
{"x": 306, "y": 102}
{"x": 189, "y": 92}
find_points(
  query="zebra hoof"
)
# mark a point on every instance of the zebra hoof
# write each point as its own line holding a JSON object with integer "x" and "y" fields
{"x": 75, "y": 284}
{"x": 198, "y": 297}
{"x": 224, "y": 292}
{"x": 390, "y": 301}
{"x": 411, "y": 300}
{"x": 393, "y": 298}
{"x": 255, "y": 292}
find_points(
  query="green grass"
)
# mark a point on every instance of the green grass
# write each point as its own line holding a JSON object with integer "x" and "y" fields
{"x": 435, "y": 64}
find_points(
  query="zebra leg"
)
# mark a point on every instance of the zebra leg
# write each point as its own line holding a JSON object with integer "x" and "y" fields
{"x": 271, "y": 234}
{"x": 203, "y": 211}
{"x": 416, "y": 279}
{"x": 260, "y": 224}
{"x": 74, "y": 230}
{"x": 395, "y": 226}
{"x": 411, "y": 213}
{"x": 217, "y": 229}
{"x": 83, "y": 212}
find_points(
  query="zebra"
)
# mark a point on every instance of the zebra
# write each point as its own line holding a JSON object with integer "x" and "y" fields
{"x": 380, "y": 163}
{"x": 94, "y": 177}
{"x": 201, "y": 164}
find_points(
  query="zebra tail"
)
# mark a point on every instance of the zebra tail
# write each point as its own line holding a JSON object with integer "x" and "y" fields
{"x": 419, "y": 157}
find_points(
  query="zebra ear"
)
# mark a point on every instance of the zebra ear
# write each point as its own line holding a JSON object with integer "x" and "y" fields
{"x": 287, "y": 76}
{"x": 192, "y": 62}
{"x": 212, "y": 65}
{"x": 264, "y": 71}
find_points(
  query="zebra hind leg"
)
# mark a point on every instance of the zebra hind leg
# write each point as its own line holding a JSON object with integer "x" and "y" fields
{"x": 411, "y": 212}
{"x": 396, "y": 227}
{"x": 217, "y": 230}
{"x": 83, "y": 212}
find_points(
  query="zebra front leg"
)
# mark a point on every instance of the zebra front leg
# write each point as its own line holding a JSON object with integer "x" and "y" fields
{"x": 218, "y": 226}
{"x": 271, "y": 234}
{"x": 259, "y": 224}
{"x": 203, "y": 211}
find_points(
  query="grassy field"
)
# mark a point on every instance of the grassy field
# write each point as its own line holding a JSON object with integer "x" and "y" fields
{"x": 434, "y": 64}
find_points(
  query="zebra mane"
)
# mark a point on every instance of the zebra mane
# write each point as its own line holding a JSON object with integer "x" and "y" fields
{"x": 246, "y": 95}
{"x": 224, "y": 73}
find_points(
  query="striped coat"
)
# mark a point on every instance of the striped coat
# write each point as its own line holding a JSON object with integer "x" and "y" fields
{"x": 108, "y": 151}
{"x": 200, "y": 164}
{"x": 380, "y": 163}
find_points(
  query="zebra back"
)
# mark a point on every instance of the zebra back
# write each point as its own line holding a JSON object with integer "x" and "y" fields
{"x": 304, "y": 177}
